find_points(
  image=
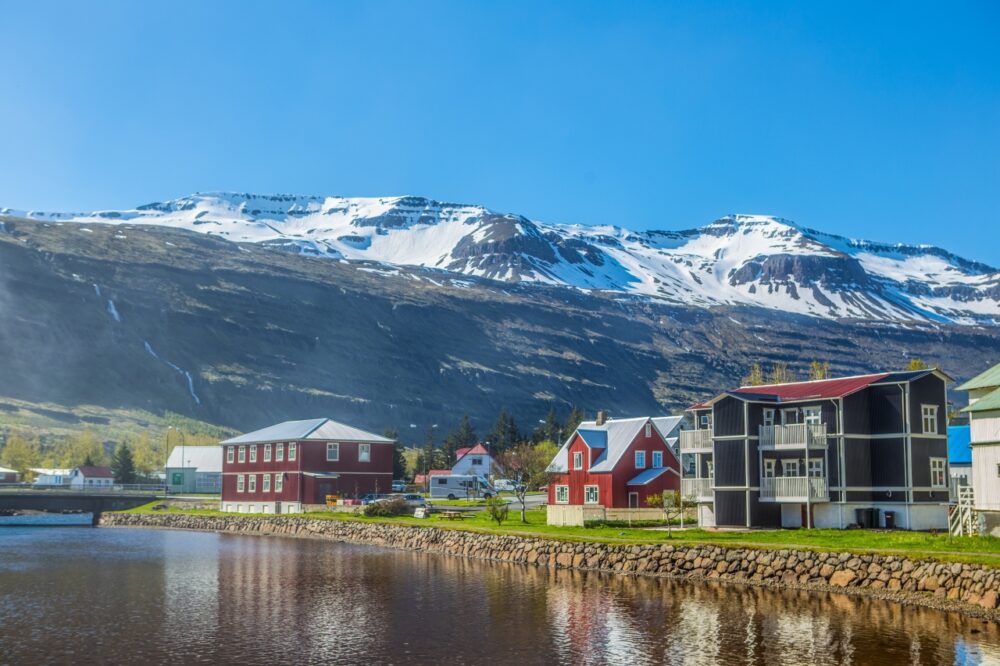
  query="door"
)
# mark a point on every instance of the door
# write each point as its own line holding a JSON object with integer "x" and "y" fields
{"x": 633, "y": 500}
{"x": 277, "y": 507}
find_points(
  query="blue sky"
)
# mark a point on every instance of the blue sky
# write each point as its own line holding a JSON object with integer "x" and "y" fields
{"x": 874, "y": 120}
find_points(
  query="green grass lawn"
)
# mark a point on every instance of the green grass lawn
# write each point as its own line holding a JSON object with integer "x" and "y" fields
{"x": 977, "y": 550}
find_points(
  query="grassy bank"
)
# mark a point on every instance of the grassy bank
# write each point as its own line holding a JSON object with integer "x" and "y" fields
{"x": 974, "y": 550}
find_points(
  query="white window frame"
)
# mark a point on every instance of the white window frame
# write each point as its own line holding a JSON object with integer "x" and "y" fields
{"x": 815, "y": 468}
{"x": 279, "y": 482}
{"x": 657, "y": 459}
{"x": 267, "y": 453}
{"x": 293, "y": 451}
{"x": 812, "y": 415}
{"x": 331, "y": 446}
{"x": 243, "y": 454}
{"x": 253, "y": 453}
{"x": 785, "y": 413}
{"x": 596, "y": 494}
{"x": 929, "y": 417}
{"x": 266, "y": 483}
{"x": 279, "y": 451}
{"x": 939, "y": 467}
{"x": 230, "y": 454}
{"x": 790, "y": 464}
{"x": 640, "y": 460}
{"x": 649, "y": 430}
{"x": 562, "y": 494}
{"x": 240, "y": 483}
{"x": 578, "y": 460}
{"x": 705, "y": 421}
{"x": 364, "y": 452}
{"x": 768, "y": 417}
{"x": 769, "y": 470}
{"x": 252, "y": 483}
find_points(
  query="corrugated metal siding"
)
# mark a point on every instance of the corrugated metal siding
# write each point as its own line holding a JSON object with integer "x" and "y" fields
{"x": 857, "y": 462}
{"x": 888, "y": 462}
{"x": 730, "y": 508}
{"x": 927, "y": 390}
{"x": 764, "y": 514}
{"x": 921, "y": 451}
{"x": 857, "y": 413}
{"x": 728, "y": 417}
{"x": 885, "y": 409}
{"x": 730, "y": 466}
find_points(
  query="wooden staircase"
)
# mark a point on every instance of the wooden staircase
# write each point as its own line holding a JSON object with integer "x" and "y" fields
{"x": 962, "y": 519}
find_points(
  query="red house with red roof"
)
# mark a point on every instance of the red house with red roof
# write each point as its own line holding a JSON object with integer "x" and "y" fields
{"x": 614, "y": 464}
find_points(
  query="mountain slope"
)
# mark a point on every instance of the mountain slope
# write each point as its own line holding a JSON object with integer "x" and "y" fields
{"x": 737, "y": 260}
{"x": 238, "y": 334}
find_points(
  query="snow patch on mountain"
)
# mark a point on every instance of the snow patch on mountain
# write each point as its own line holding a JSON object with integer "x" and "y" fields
{"x": 756, "y": 260}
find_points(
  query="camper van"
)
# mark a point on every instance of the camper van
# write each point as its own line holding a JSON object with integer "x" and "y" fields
{"x": 460, "y": 486}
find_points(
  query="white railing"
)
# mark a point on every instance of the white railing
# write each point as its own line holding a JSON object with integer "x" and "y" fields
{"x": 796, "y": 436}
{"x": 700, "y": 489}
{"x": 794, "y": 488}
{"x": 695, "y": 440}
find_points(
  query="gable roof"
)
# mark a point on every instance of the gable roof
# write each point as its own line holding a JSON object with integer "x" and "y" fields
{"x": 318, "y": 429}
{"x": 613, "y": 438}
{"x": 988, "y": 403}
{"x": 985, "y": 379}
{"x": 7, "y": 470}
{"x": 95, "y": 472}
{"x": 51, "y": 471}
{"x": 959, "y": 451}
{"x": 203, "y": 458}
{"x": 650, "y": 474}
{"x": 478, "y": 450}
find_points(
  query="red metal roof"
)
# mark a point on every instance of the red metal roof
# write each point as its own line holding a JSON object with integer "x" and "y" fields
{"x": 478, "y": 449}
{"x": 824, "y": 388}
{"x": 96, "y": 472}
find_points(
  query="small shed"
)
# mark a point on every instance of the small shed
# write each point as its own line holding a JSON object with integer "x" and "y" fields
{"x": 8, "y": 475}
{"x": 195, "y": 469}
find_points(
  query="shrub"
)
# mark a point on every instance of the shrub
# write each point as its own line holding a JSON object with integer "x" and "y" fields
{"x": 392, "y": 506}
{"x": 498, "y": 509}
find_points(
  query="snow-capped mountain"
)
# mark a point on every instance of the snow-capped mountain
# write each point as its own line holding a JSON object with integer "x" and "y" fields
{"x": 737, "y": 260}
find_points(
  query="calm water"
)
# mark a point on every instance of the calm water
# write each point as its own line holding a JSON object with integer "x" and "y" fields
{"x": 145, "y": 596}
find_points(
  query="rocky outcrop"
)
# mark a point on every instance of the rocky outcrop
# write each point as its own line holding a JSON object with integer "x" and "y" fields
{"x": 967, "y": 588}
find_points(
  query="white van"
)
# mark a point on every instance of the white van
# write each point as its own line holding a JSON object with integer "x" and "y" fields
{"x": 460, "y": 486}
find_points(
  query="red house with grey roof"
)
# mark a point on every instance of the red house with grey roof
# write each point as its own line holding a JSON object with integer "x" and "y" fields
{"x": 616, "y": 463}
{"x": 286, "y": 467}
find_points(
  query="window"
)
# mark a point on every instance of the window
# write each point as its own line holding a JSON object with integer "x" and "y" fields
{"x": 769, "y": 469}
{"x": 292, "y": 449}
{"x": 253, "y": 483}
{"x": 640, "y": 459}
{"x": 477, "y": 461}
{"x": 790, "y": 467}
{"x": 278, "y": 482}
{"x": 657, "y": 459}
{"x": 812, "y": 415}
{"x": 243, "y": 454}
{"x": 590, "y": 495}
{"x": 649, "y": 430}
{"x": 332, "y": 451}
{"x": 816, "y": 467}
{"x": 938, "y": 478}
{"x": 253, "y": 453}
{"x": 577, "y": 460}
{"x": 267, "y": 483}
{"x": 562, "y": 494}
{"x": 267, "y": 453}
{"x": 279, "y": 452}
{"x": 929, "y": 414}
{"x": 706, "y": 421}
{"x": 768, "y": 417}
{"x": 229, "y": 454}
{"x": 789, "y": 416}
{"x": 239, "y": 483}
{"x": 441, "y": 481}
{"x": 364, "y": 452}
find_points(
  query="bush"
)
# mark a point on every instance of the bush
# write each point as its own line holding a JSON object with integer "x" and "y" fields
{"x": 498, "y": 509}
{"x": 392, "y": 506}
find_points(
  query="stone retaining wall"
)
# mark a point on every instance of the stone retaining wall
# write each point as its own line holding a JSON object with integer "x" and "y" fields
{"x": 971, "y": 589}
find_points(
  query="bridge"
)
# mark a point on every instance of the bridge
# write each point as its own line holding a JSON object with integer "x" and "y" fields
{"x": 61, "y": 499}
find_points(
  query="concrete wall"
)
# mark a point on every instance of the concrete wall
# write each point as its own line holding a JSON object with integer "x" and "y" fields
{"x": 577, "y": 515}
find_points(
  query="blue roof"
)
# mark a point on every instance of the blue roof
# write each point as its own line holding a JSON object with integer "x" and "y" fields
{"x": 595, "y": 439}
{"x": 959, "y": 452}
{"x": 647, "y": 476}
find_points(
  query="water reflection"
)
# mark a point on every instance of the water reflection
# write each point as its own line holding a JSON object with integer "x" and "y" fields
{"x": 155, "y": 596}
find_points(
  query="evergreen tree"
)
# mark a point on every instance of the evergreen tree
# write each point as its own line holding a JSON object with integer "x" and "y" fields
{"x": 462, "y": 437}
{"x": 819, "y": 370}
{"x": 573, "y": 421}
{"x": 550, "y": 429}
{"x": 505, "y": 434}
{"x": 398, "y": 461}
{"x": 427, "y": 454}
{"x": 755, "y": 376}
{"x": 122, "y": 464}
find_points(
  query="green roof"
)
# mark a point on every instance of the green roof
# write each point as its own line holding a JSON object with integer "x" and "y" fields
{"x": 988, "y": 402}
{"x": 989, "y": 378}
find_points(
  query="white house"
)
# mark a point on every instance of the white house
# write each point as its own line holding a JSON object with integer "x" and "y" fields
{"x": 90, "y": 477}
{"x": 195, "y": 469}
{"x": 984, "y": 437}
{"x": 473, "y": 460}
{"x": 48, "y": 476}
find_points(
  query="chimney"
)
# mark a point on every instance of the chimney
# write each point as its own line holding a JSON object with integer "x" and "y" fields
{"x": 602, "y": 417}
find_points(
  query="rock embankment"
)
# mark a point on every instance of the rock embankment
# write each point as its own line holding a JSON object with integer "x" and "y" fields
{"x": 969, "y": 588}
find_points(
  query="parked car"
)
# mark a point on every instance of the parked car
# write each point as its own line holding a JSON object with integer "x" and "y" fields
{"x": 507, "y": 485}
{"x": 398, "y": 486}
{"x": 412, "y": 499}
{"x": 371, "y": 497}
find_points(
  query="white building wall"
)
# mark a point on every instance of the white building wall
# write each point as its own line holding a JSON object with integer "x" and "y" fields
{"x": 984, "y": 427}
{"x": 260, "y": 507}
{"x": 985, "y": 476}
{"x": 466, "y": 466}
{"x": 908, "y": 517}
{"x": 706, "y": 515}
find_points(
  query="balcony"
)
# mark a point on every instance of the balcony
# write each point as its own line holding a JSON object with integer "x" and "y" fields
{"x": 698, "y": 489}
{"x": 794, "y": 489}
{"x": 696, "y": 441}
{"x": 796, "y": 436}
